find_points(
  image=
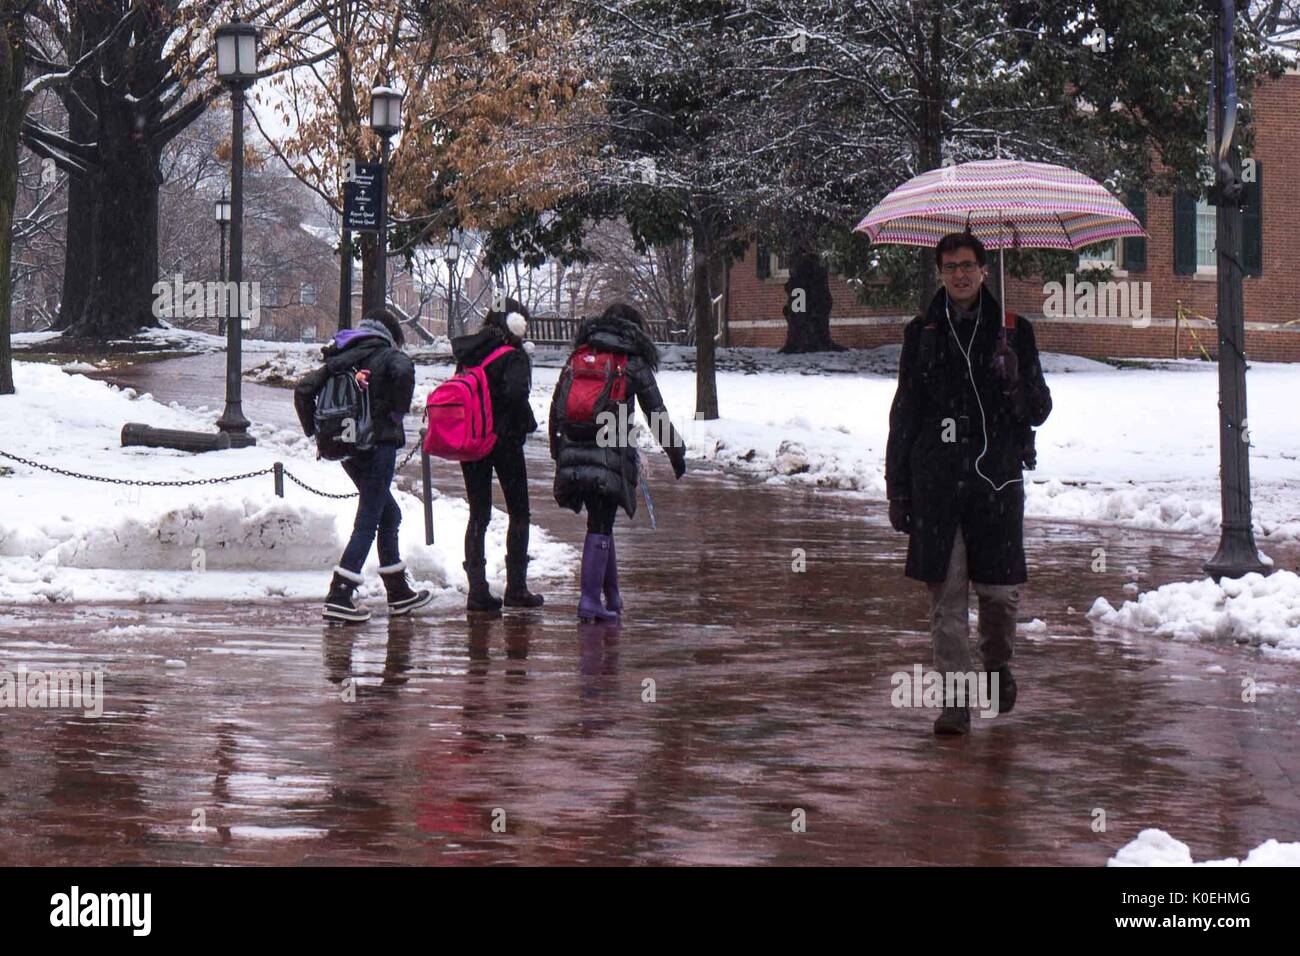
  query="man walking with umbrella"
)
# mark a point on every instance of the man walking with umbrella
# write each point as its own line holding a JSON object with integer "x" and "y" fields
{"x": 970, "y": 392}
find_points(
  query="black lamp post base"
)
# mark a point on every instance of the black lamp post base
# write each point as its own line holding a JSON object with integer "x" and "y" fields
{"x": 235, "y": 426}
{"x": 1237, "y": 556}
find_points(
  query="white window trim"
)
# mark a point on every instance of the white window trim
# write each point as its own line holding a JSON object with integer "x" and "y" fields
{"x": 774, "y": 272}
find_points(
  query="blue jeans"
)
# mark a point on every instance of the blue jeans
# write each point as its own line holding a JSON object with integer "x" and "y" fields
{"x": 377, "y": 511}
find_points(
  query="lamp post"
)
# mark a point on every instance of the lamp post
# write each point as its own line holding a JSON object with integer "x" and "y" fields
{"x": 237, "y": 68}
{"x": 1237, "y": 554}
{"x": 386, "y": 120}
{"x": 452, "y": 254}
{"x": 221, "y": 211}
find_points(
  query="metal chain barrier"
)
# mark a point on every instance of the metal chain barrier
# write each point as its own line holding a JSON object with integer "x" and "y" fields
{"x": 277, "y": 470}
{"x": 135, "y": 481}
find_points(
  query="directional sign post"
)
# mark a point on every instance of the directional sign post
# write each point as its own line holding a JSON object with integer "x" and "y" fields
{"x": 363, "y": 197}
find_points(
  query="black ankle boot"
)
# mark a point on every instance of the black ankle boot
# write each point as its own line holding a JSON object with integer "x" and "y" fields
{"x": 338, "y": 603}
{"x": 480, "y": 598}
{"x": 517, "y": 593}
{"x": 401, "y": 599}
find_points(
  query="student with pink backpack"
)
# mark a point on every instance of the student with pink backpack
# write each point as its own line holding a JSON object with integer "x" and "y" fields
{"x": 481, "y": 418}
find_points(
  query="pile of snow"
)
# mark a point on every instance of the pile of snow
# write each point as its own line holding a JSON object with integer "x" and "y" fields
{"x": 1254, "y": 609}
{"x": 67, "y": 539}
{"x": 1157, "y": 848}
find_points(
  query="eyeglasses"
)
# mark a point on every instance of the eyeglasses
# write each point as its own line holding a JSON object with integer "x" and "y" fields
{"x": 965, "y": 268}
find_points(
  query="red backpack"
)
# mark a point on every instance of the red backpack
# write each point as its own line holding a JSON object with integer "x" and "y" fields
{"x": 591, "y": 383}
{"x": 460, "y": 414}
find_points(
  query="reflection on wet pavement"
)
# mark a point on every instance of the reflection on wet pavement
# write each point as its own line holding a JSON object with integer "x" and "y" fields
{"x": 736, "y": 693}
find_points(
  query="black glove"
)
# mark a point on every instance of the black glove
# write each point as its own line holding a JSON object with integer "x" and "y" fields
{"x": 679, "y": 465}
{"x": 900, "y": 514}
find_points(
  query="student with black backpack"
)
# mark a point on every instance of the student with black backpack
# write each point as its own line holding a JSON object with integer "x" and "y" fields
{"x": 596, "y": 458}
{"x": 499, "y": 348}
{"x": 354, "y": 405}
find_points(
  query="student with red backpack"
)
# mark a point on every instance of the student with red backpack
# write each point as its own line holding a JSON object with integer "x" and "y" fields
{"x": 596, "y": 459}
{"x": 507, "y": 372}
{"x": 353, "y": 406}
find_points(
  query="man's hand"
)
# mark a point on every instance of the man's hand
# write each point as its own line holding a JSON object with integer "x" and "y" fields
{"x": 363, "y": 377}
{"x": 900, "y": 514}
{"x": 1006, "y": 366}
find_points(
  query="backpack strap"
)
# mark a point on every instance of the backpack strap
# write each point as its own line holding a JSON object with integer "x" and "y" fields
{"x": 496, "y": 354}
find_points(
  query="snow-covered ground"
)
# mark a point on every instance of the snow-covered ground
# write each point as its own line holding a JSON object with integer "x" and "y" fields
{"x": 1158, "y": 848}
{"x": 65, "y": 539}
{"x": 1133, "y": 447}
{"x": 1136, "y": 447}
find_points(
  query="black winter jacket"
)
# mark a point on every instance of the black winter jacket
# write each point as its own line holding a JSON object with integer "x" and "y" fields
{"x": 936, "y": 436}
{"x": 582, "y": 467}
{"x": 510, "y": 379}
{"x": 391, "y": 385}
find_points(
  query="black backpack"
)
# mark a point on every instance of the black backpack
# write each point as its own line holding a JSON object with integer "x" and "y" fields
{"x": 343, "y": 424}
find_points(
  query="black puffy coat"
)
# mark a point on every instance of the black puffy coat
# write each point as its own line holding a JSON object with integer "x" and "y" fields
{"x": 391, "y": 385}
{"x": 583, "y": 468}
{"x": 510, "y": 379}
{"x": 936, "y": 437}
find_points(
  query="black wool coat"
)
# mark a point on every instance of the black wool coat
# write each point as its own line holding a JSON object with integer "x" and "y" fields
{"x": 584, "y": 469}
{"x": 510, "y": 379}
{"x": 936, "y": 449}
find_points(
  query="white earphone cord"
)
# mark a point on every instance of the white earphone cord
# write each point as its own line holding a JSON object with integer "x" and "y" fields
{"x": 970, "y": 371}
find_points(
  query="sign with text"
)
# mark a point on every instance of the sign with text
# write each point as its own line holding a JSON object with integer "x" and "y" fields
{"x": 363, "y": 196}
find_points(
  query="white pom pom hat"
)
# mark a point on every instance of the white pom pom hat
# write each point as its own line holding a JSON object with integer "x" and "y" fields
{"x": 517, "y": 324}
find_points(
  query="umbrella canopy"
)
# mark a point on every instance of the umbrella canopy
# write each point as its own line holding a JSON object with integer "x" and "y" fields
{"x": 1007, "y": 203}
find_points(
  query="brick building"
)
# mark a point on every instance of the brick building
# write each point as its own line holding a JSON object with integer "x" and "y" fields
{"x": 1177, "y": 260}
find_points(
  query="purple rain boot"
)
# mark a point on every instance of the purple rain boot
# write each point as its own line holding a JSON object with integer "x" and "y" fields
{"x": 595, "y": 559}
{"x": 613, "y": 600}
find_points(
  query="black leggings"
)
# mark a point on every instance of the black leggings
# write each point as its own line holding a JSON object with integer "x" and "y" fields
{"x": 507, "y": 459}
{"x": 600, "y": 514}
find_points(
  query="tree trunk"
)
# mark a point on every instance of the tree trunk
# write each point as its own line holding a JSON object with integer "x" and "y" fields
{"x": 706, "y": 373}
{"x": 12, "y": 108}
{"x": 125, "y": 226}
{"x": 79, "y": 233}
{"x": 808, "y": 304}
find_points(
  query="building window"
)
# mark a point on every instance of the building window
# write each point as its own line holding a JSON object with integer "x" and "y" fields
{"x": 1103, "y": 256}
{"x": 307, "y": 294}
{"x": 1205, "y": 220}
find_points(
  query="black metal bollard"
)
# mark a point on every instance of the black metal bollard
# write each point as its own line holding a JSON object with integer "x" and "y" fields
{"x": 279, "y": 479}
{"x": 426, "y": 474}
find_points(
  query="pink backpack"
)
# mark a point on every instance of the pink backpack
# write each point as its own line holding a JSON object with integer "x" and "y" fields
{"x": 460, "y": 414}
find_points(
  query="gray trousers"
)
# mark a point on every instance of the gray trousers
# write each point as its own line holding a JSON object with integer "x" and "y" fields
{"x": 950, "y": 620}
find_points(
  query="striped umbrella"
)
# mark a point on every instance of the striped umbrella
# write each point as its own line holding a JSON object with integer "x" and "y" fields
{"x": 1006, "y": 204}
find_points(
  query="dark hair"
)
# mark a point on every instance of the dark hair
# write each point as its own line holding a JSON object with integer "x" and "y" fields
{"x": 497, "y": 317}
{"x": 621, "y": 310}
{"x": 959, "y": 240}
{"x": 389, "y": 321}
